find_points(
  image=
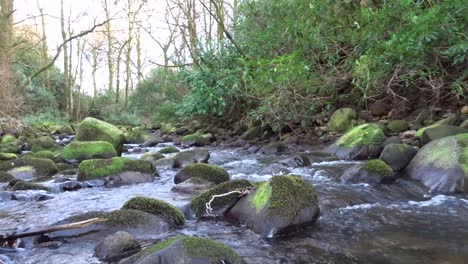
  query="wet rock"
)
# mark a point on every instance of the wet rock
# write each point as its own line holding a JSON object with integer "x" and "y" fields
{"x": 252, "y": 133}
{"x": 361, "y": 142}
{"x": 92, "y": 129}
{"x": 208, "y": 172}
{"x": 409, "y": 134}
{"x": 44, "y": 143}
{"x": 196, "y": 139}
{"x": 392, "y": 140}
{"x": 397, "y": 156}
{"x": 29, "y": 168}
{"x": 373, "y": 172}
{"x": 342, "y": 120}
{"x": 168, "y": 150}
{"x": 274, "y": 148}
{"x": 278, "y": 206}
{"x": 236, "y": 143}
{"x": 186, "y": 250}
{"x": 164, "y": 210}
{"x": 152, "y": 157}
{"x": 378, "y": 108}
{"x": 116, "y": 247}
{"x": 31, "y": 195}
{"x": 442, "y": 164}
{"x": 297, "y": 161}
{"x": 167, "y": 163}
{"x": 253, "y": 149}
{"x": 192, "y": 156}
{"x": 397, "y": 126}
{"x": 142, "y": 137}
{"x": 70, "y": 186}
{"x": 452, "y": 120}
{"x": 94, "y": 183}
{"x": 193, "y": 186}
{"x": 197, "y": 208}
{"x": 84, "y": 150}
{"x": 25, "y": 185}
{"x": 440, "y": 131}
{"x": 117, "y": 171}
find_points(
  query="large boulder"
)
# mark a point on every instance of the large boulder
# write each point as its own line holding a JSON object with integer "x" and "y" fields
{"x": 92, "y": 129}
{"x": 397, "y": 156}
{"x": 372, "y": 171}
{"x": 29, "y": 168}
{"x": 166, "y": 211}
{"x": 83, "y": 150}
{"x": 44, "y": 143}
{"x": 361, "y": 142}
{"x": 186, "y": 250}
{"x": 116, "y": 246}
{"x": 342, "y": 120}
{"x": 208, "y": 172}
{"x": 442, "y": 164}
{"x": 440, "y": 131}
{"x": 192, "y": 156}
{"x": 117, "y": 171}
{"x": 197, "y": 208}
{"x": 282, "y": 204}
{"x": 10, "y": 147}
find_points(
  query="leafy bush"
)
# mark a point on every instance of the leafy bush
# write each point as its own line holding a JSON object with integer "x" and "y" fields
{"x": 47, "y": 115}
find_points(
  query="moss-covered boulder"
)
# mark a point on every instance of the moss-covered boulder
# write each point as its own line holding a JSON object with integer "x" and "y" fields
{"x": 25, "y": 185}
{"x": 197, "y": 208}
{"x": 8, "y": 156}
{"x": 442, "y": 164}
{"x": 193, "y": 186}
{"x": 278, "y": 206}
{"x": 342, "y": 120}
{"x": 273, "y": 148}
{"x": 66, "y": 129}
{"x": 152, "y": 157}
{"x": 44, "y": 143}
{"x": 8, "y": 138}
{"x": 373, "y": 172}
{"x": 184, "y": 249}
{"x": 84, "y": 150}
{"x": 92, "y": 129}
{"x": 140, "y": 136}
{"x": 196, "y": 139}
{"x": 252, "y": 133}
{"x": 117, "y": 171}
{"x": 440, "y": 131}
{"x": 116, "y": 246}
{"x": 208, "y": 172}
{"x": 168, "y": 150}
{"x": 398, "y": 126}
{"x": 166, "y": 211}
{"x": 361, "y": 142}
{"x": 192, "y": 156}
{"x": 10, "y": 147}
{"x": 29, "y": 168}
{"x": 397, "y": 156}
{"x": 5, "y": 177}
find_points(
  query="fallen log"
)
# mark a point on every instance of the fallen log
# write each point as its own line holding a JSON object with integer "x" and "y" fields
{"x": 9, "y": 240}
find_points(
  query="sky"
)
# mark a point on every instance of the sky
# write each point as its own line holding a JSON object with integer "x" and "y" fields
{"x": 83, "y": 14}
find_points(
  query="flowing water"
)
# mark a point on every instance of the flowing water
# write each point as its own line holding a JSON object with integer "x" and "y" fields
{"x": 359, "y": 223}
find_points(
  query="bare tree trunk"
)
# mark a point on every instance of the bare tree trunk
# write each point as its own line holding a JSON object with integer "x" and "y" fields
{"x": 139, "y": 64}
{"x": 94, "y": 52}
{"x": 68, "y": 94}
{"x": 45, "y": 56}
{"x": 129, "y": 53}
{"x": 110, "y": 52}
{"x": 6, "y": 35}
{"x": 117, "y": 86}
{"x": 220, "y": 24}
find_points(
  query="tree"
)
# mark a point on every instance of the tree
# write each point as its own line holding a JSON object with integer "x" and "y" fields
{"x": 6, "y": 36}
{"x": 110, "y": 48}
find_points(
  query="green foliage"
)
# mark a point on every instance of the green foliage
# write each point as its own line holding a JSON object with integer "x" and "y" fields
{"x": 48, "y": 115}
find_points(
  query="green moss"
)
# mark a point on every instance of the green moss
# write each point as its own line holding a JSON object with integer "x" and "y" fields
{"x": 421, "y": 130}
{"x": 66, "y": 129}
{"x": 24, "y": 185}
{"x": 8, "y": 156}
{"x": 127, "y": 217}
{"x": 8, "y": 138}
{"x": 208, "y": 248}
{"x": 10, "y": 148}
{"x": 98, "y": 168}
{"x": 168, "y": 150}
{"x": 366, "y": 134}
{"x": 208, "y": 172}
{"x": 81, "y": 150}
{"x": 168, "y": 212}
{"x": 43, "y": 167}
{"x": 5, "y": 177}
{"x": 252, "y": 133}
{"x": 138, "y": 136}
{"x": 92, "y": 129}
{"x": 261, "y": 197}
{"x": 152, "y": 156}
{"x": 196, "y": 138}
{"x": 46, "y": 154}
{"x": 342, "y": 120}
{"x": 289, "y": 195}
{"x": 159, "y": 246}
{"x": 398, "y": 125}
{"x": 379, "y": 167}
{"x": 44, "y": 143}
{"x": 198, "y": 204}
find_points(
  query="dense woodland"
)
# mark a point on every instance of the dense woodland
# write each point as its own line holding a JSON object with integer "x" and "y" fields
{"x": 277, "y": 63}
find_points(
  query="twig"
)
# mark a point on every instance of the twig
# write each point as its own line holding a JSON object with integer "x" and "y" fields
{"x": 241, "y": 192}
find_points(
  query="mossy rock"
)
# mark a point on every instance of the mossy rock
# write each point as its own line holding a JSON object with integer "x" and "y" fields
{"x": 342, "y": 120}
{"x": 138, "y": 136}
{"x": 45, "y": 154}
{"x": 361, "y": 142}
{"x": 187, "y": 157}
{"x": 39, "y": 167}
{"x": 116, "y": 246}
{"x": 25, "y": 185}
{"x": 452, "y": 120}
{"x": 10, "y": 148}
{"x": 197, "y": 207}
{"x": 398, "y": 126}
{"x": 100, "y": 168}
{"x": 8, "y": 156}
{"x": 373, "y": 172}
{"x": 66, "y": 129}
{"x": 83, "y": 150}
{"x": 379, "y": 167}
{"x": 152, "y": 157}
{"x": 442, "y": 164}
{"x": 170, "y": 213}
{"x": 397, "y": 156}
{"x": 440, "y": 131}
{"x": 193, "y": 186}
{"x": 5, "y": 177}
{"x": 282, "y": 204}
{"x": 195, "y": 139}
{"x": 8, "y": 138}
{"x": 168, "y": 150}
{"x": 128, "y": 217}
{"x": 44, "y": 143}
{"x": 252, "y": 133}
{"x": 209, "y": 172}
{"x": 92, "y": 129}
{"x": 274, "y": 148}
{"x": 185, "y": 249}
